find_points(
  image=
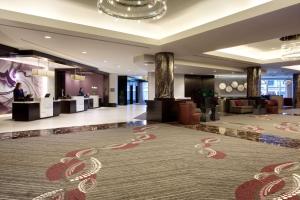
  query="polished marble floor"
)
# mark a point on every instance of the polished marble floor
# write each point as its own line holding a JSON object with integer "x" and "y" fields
{"x": 282, "y": 125}
{"x": 91, "y": 117}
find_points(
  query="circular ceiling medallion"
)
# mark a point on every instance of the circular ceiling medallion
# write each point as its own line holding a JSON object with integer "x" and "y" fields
{"x": 228, "y": 89}
{"x": 241, "y": 88}
{"x": 222, "y": 86}
{"x": 234, "y": 84}
{"x": 245, "y": 85}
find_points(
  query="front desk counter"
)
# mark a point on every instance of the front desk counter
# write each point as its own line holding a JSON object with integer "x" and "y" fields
{"x": 56, "y": 108}
{"x": 26, "y": 111}
{"x": 68, "y": 105}
{"x": 86, "y": 104}
{"x": 47, "y": 107}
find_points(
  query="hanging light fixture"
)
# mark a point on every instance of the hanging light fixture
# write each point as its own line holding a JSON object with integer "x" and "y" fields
{"x": 77, "y": 77}
{"x": 42, "y": 72}
{"x": 290, "y": 49}
{"x": 133, "y": 9}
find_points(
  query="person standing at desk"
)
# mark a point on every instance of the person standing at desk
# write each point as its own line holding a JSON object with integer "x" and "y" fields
{"x": 18, "y": 93}
{"x": 81, "y": 93}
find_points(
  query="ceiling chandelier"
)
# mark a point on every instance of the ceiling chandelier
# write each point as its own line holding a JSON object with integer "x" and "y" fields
{"x": 290, "y": 49}
{"x": 133, "y": 9}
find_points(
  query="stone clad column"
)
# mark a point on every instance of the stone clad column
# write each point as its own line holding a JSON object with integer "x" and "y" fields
{"x": 164, "y": 75}
{"x": 253, "y": 81}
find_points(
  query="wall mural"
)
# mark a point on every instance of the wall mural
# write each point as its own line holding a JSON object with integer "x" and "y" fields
{"x": 10, "y": 74}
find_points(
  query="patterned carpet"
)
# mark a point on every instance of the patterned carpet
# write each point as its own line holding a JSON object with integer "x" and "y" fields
{"x": 152, "y": 162}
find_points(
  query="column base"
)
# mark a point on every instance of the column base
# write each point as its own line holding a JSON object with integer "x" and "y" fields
{"x": 162, "y": 110}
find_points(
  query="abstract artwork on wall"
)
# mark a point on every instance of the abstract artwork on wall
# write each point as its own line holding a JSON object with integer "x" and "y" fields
{"x": 10, "y": 74}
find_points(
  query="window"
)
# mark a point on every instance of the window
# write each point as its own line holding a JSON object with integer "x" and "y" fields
{"x": 282, "y": 87}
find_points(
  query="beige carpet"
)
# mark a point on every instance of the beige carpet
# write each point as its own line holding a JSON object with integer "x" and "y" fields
{"x": 163, "y": 162}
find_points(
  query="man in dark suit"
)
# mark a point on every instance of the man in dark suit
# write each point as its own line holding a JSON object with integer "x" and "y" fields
{"x": 18, "y": 93}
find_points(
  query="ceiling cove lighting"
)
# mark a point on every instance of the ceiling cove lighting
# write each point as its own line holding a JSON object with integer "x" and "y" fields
{"x": 293, "y": 67}
{"x": 133, "y": 9}
{"x": 290, "y": 49}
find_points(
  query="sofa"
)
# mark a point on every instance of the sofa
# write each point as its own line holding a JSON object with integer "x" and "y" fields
{"x": 240, "y": 106}
{"x": 188, "y": 113}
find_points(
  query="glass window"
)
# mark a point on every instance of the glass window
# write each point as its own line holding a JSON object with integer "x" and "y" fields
{"x": 276, "y": 87}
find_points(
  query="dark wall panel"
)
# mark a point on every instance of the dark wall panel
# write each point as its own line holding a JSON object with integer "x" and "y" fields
{"x": 198, "y": 87}
{"x": 122, "y": 90}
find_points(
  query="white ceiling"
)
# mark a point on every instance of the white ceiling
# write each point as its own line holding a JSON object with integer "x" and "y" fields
{"x": 190, "y": 28}
{"x": 182, "y": 15}
{"x": 260, "y": 52}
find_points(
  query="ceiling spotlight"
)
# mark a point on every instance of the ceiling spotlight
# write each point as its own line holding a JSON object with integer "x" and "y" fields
{"x": 84, "y": 52}
{"x": 47, "y": 37}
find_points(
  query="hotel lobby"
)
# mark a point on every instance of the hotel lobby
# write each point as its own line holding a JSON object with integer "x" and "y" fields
{"x": 150, "y": 99}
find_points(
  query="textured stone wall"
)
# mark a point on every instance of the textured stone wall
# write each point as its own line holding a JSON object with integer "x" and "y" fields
{"x": 253, "y": 81}
{"x": 164, "y": 75}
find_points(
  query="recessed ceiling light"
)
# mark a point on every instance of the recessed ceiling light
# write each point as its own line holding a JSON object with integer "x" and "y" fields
{"x": 84, "y": 52}
{"x": 105, "y": 61}
{"x": 47, "y": 37}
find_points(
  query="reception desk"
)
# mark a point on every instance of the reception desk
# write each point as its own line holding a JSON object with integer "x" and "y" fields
{"x": 68, "y": 105}
{"x": 33, "y": 110}
{"x": 47, "y": 107}
{"x": 94, "y": 103}
{"x": 26, "y": 111}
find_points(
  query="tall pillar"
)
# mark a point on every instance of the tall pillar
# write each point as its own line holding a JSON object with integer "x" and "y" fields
{"x": 164, "y": 75}
{"x": 163, "y": 107}
{"x": 253, "y": 81}
{"x": 296, "y": 89}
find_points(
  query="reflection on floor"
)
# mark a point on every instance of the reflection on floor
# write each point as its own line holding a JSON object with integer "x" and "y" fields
{"x": 157, "y": 161}
{"x": 90, "y": 117}
{"x": 279, "y": 125}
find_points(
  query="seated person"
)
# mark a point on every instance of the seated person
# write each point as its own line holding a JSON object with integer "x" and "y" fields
{"x": 81, "y": 92}
{"x": 18, "y": 93}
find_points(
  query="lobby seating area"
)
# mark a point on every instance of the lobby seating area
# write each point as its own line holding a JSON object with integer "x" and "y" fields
{"x": 241, "y": 106}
